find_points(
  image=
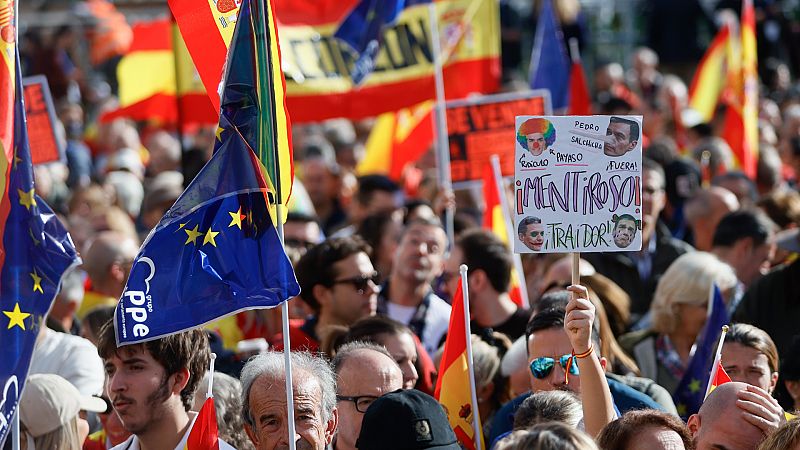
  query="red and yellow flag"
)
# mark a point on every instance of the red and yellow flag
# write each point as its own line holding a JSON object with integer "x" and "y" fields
{"x": 170, "y": 95}
{"x": 204, "y": 434}
{"x": 453, "y": 385}
{"x": 494, "y": 220}
{"x": 709, "y": 78}
{"x": 8, "y": 67}
{"x": 397, "y": 139}
{"x": 720, "y": 377}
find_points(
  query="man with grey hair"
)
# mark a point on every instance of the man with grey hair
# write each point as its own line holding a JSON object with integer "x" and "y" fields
{"x": 365, "y": 372}
{"x": 107, "y": 262}
{"x": 264, "y": 401}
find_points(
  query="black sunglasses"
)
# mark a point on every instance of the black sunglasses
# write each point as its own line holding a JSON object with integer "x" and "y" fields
{"x": 361, "y": 282}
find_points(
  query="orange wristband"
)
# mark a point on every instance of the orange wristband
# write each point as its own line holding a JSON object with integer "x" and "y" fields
{"x": 584, "y": 354}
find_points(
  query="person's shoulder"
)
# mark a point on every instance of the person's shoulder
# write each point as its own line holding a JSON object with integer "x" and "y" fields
{"x": 129, "y": 444}
{"x": 437, "y": 304}
{"x": 630, "y": 340}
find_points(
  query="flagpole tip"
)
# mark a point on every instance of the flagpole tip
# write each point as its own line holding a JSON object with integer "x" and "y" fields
{"x": 213, "y": 356}
{"x": 725, "y": 328}
{"x": 462, "y": 269}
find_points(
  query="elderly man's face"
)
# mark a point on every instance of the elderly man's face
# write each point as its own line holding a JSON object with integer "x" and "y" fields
{"x": 363, "y": 378}
{"x": 268, "y": 410}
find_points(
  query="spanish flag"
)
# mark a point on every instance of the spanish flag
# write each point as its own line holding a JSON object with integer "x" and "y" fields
{"x": 709, "y": 78}
{"x": 170, "y": 95}
{"x": 495, "y": 221}
{"x": 398, "y": 139}
{"x": 719, "y": 377}
{"x": 453, "y": 386}
{"x": 204, "y": 434}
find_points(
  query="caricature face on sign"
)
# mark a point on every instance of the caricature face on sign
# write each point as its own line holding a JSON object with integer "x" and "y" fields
{"x": 531, "y": 233}
{"x": 536, "y": 135}
{"x": 578, "y": 184}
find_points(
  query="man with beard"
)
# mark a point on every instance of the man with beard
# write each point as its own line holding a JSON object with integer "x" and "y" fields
{"x": 407, "y": 296}
{"x": 151, "y": 386}
{"x": 624, "y": 230}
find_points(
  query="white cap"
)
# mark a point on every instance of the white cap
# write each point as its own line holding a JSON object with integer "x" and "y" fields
{"x": 49, "y": 402}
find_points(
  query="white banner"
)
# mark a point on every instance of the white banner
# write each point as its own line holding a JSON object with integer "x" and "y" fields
{"x": 578, "y": 184}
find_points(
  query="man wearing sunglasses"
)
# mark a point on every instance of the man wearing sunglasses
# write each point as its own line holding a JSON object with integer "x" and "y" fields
{"x": 364, "y": 372}
{"x": 337, "y": 280}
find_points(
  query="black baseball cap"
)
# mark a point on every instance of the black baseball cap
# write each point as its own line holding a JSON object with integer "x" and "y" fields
{"x": 406, "y": 420}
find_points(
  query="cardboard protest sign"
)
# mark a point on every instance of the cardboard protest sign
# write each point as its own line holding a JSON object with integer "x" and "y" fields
{"x": 578, "y": 184}
{"x": 41, "y": 120}
{"x": 479, "y": 127}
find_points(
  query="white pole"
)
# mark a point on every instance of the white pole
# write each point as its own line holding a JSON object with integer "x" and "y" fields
{"x": 717, "y": 358}
{"x": 442, "y": 150}
{"x": 15, "y": 420}
{"x": 498, "y": 180}
{"x": 476, "y": 420}
{"x": 210, "y": 393}
{"x": 287, "y": 354}
{"x": 574, "y": 50}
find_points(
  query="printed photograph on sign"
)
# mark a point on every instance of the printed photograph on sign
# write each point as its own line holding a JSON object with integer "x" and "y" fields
{"x": 577, "y": 184}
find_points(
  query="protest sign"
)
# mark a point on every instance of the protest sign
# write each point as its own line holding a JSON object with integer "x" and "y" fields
{"x": 479, "y": 127}
{"x": 41, "y": 120}
{"x": 578, "y": 184}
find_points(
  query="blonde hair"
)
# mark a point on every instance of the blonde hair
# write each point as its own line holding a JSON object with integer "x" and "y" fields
{"x": 65, "y": 437}
{"x": 688, "y": 281}
{"x": 787, "y": 436}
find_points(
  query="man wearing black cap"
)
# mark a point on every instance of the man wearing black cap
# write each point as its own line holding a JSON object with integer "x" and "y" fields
{"x": 406, "y": 420}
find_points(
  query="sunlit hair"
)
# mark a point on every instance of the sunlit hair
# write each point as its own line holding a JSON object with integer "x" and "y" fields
{"x": 688, "y": 281}
{"x": 618, "y": 434}
{"x": 537, "y": 125}
{"x": 787, "y": 436}
{"x": 547, "y": 436}
{"x": 65, "y": 437}
{"x": 755, "y": 338}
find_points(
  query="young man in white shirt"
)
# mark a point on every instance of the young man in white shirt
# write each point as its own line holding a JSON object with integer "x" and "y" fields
{"x": 152, "y": 385}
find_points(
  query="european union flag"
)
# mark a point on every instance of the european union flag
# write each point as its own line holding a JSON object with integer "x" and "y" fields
{"x": 362, "y": 30}
{"x": 216, "y": 251}
{"x": 550, "y": 64}
{"x": 691, "y": 390}
{"x": 36, "y": 251}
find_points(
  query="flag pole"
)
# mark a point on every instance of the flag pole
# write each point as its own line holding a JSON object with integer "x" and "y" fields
{"x": 476, "y": 421}
{"x": 15, "y": 419}
{"x": 442, "y": 150}
{"x": 498, "y": 179}
{"x": 266, "y": 82}
{"x": 210, "y": 392}
{"x": 717, "y": 358}
{"x": 576, "y": 268}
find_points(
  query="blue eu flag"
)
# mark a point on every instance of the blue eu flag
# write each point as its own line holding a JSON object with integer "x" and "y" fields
{"x": 35, "y": 252}
{"x": 691, "y": 390}
{"x": 216, "y": 251}
{"x": 550, "y": 64}
{"x": 362, "y": 30}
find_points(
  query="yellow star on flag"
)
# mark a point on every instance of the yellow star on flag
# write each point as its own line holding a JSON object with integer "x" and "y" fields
{"x": 37, "y": 282}
{"x": 694, "y": 385}
{"x": 236, "y": 218}
{"x": 35, "y": 241}
{"x": 17, "y": 159}
{"x": 193, "y": 235}
{"x": 210, "y": 235}
{"x": 681, "y": 409}
{"x": 26, "y": 198}
{"x": 218, "y": 133}
{"x": 16, "y": 317}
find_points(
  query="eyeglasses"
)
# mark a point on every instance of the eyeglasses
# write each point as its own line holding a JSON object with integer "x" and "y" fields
{"x": 361, "y": 282}
{"x": 542, "y": 366}
{"x": 298, "y": 243}
{"x": 533, "y": 234}
{"x": 362, "y": 402}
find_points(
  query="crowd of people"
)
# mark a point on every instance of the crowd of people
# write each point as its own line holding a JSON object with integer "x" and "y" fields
{"x": 582, "y": 366}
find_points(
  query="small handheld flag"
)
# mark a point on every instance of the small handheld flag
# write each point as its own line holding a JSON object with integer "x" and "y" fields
{"x": 205, "y": 433}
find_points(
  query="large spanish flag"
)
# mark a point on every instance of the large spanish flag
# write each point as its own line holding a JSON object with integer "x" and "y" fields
{"x": 318, "y": 67}
{"x": 398, "y": 139}
{"x": 170, "y": 95}
{"x": 709, "y": 78}
{"x": 453, "y": 385}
